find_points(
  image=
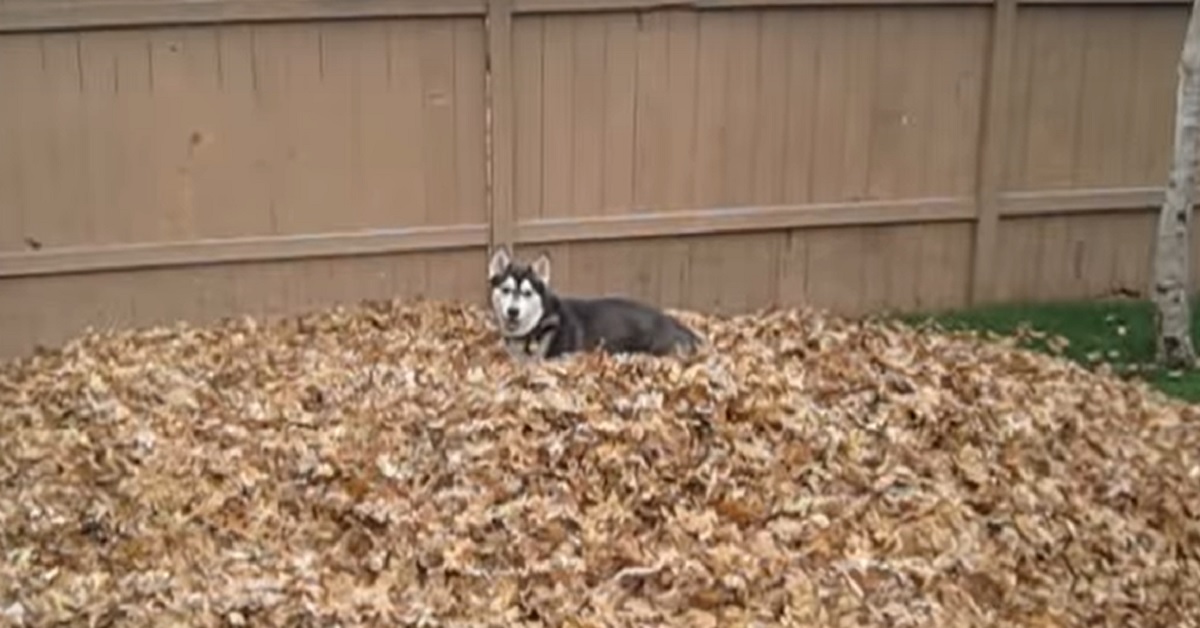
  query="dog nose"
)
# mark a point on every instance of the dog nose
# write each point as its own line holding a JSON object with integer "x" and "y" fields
{"x": 513, "y": 312}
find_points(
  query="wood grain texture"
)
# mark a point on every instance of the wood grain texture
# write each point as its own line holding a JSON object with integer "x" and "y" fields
{"x": 745, "y": 108}
{"x": 694, "y": 222}
{"x": 50, "y": 310}
{"x": 724, "y": 220}
{"x": 567, "y": 6}
{"x": 37, "y": 15}
{"x": 1093, "y": 95}
{"x": 993, "y": 145}
{"x": 1074, "y": 256}
{"x": 148, "y": 135}
{"x": 503, "y": 128}
{"x": 233, "y": 250}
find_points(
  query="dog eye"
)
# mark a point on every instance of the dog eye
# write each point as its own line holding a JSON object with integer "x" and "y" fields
{"x": 528, "y": 294}
{"x": 506, "y": 291}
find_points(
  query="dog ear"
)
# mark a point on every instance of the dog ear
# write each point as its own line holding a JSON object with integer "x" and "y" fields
{"x": 499, "y": 262}
{"x": 541, "y": 267}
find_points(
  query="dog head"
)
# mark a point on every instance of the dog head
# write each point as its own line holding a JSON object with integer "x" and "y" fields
{"x": 518, "y": 292}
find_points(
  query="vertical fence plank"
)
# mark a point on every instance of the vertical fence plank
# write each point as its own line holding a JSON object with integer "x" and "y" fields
{"x": 992, "y": 148}
{"x": 500, "y": 108}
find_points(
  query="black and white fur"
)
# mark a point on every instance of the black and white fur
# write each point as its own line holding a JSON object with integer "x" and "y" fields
{"x": 536, "y": 323}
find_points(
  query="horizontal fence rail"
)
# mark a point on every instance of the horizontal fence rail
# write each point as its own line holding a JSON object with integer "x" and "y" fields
{"x": 714, "y": 221}
{"x": 33, "y": 15}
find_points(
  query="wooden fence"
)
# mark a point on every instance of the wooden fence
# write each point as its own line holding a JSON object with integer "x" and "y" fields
{"x": 168, "y": 159}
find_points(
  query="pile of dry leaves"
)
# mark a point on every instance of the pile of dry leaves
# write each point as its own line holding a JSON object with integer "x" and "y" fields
{"x": 388, "y": 465}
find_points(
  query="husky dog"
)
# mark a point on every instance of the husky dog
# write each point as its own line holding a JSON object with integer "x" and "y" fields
{"x": 536, "y": 323}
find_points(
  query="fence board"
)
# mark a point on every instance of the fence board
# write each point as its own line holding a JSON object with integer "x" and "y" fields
{"x": 651, "y": 118}
{"x": 620, "y": 99}
{"x": 800, "y": 145}
{"x": 683, "y": 80}
{"x": 769, "y": 139}
{"x": 557, "y": 117}
{"x": 587, "y": 93}
{"x": 527, "y": 71}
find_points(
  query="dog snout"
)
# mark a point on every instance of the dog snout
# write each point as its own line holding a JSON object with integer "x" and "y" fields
{"x": 513, "y": 312}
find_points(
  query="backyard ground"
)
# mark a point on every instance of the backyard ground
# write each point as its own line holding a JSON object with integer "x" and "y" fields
{"x": 388, "y": 465}
{"x": 1116, "y": 334}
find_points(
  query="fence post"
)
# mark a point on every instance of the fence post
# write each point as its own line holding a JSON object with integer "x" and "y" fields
{"x": 992, "y": 148}
{"x": 500, "y": 124}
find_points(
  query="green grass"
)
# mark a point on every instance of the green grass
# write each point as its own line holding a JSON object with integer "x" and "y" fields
{"x": 1119, "y": 333}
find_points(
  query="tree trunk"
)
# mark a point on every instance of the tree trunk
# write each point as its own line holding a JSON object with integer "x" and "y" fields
{"x": 1172, "y": 253}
